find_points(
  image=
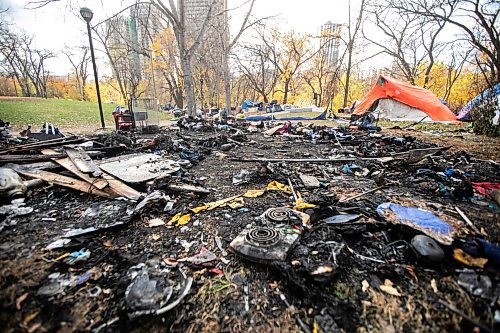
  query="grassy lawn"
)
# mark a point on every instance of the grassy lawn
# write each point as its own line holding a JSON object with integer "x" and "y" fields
{"x": 74, "y": 115}
{"x": 62, "y": 113}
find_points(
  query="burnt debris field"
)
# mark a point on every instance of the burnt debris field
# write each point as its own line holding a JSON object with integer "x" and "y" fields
{"x": 203, "y": 228}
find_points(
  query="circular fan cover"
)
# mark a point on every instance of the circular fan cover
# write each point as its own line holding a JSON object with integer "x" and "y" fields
{"x": 280, "y": 214}
{"x": 263, "y": 236}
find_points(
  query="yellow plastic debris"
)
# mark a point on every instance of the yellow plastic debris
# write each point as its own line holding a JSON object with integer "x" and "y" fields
{"x": 468, "y": 260}
{"x": 277, "y": 186}
{"x": 214, "y": 204}
{"x": 236, "y": 203}
{"x": 174, "y": 219}
{"x": 315, "y": 327}
{"x": 254, "y": 193}
{"x": 184, "y": 219}
{"x": 301, "y": 205}
{"x": 196, "y": 210}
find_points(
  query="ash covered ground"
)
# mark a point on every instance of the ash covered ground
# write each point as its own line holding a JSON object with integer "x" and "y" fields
{"x": 363, "y": 275}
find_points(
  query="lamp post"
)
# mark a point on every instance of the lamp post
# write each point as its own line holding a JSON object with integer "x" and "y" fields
{"x": 87, "y": 16}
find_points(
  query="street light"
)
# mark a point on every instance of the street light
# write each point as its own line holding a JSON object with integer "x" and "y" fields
{"x": 87, "y": 16}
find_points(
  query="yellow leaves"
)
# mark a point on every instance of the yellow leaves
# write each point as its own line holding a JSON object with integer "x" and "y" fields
{"x": 174, "y": 219}
{"x": 301, "y": 205}
{"x": 214, "y": 204}
{"x": 389, "y": 289}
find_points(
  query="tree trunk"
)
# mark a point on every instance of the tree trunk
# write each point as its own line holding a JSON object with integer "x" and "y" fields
{"x": 189, "y": 85}
{"x": 286, "y": 88}
{"x": 347, "y": 75}
{"x": 227, "y": 83}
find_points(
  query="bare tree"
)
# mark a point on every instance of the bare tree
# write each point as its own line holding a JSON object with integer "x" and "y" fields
{"x": 260, "y": 72}
{"x": 24, "y": 62}
{"x": 79, "y": 61}
{"x": 120, "y": 51}
{"x": 477, "y": 19}
{"x": 323, "y": 78}
{"x": 352, "y": 34}
{"x": 288, "y": 53}
{"x": 411, "y": 40}
{"x": 177, "y": 18}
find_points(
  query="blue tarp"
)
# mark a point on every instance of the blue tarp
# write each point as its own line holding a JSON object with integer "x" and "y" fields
{"x": 322, "y": 116}
{"x": 419, "y": 219}
{"x": 248, "y": 104}
{"x": 466, "y": 112}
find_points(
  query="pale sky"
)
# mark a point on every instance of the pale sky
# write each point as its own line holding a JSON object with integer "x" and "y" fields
{"x": 58, "y": 25}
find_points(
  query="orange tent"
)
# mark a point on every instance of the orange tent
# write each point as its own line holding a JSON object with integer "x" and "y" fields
{"x": 405, "y": 93}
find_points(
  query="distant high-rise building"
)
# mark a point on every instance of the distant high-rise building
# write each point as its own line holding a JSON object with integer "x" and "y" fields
{"x": 130, "y": 39}
{"x": 195, "y": 14}
{"x": 330, "y": 42}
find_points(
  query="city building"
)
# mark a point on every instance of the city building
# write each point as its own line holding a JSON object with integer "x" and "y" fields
{"x": 195, "y": 13}
{"x": 330, "y": 42}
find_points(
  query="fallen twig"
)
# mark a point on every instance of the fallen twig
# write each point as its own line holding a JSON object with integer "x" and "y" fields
{"x": 466, "y": 219}
{"x": 452, "y": 308}
{"x": 362, "y": 194}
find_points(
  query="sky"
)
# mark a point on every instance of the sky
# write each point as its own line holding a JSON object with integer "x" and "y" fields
{"x": 58, "y": 26}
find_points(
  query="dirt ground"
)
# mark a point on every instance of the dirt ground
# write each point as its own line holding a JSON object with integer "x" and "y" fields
{"x": 375, "y": 283}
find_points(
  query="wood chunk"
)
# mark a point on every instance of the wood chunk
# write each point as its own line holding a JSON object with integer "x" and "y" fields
{"x": 188, "y": 188}
{"x": 64, "y": 181}
{"x": 107, "y": 183}
{"x": 18, "y": 158}
{"x": 43, "y": 144}
{"x": 66, "y": 163}
{"x": 119, "y": 188}
{"x": 82, "y": 161}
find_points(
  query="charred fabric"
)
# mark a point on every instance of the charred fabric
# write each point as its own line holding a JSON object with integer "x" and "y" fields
{"x": 245, "y": 226}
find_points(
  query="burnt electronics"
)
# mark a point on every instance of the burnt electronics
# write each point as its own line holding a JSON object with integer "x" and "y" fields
{"x": 273, "y": 240}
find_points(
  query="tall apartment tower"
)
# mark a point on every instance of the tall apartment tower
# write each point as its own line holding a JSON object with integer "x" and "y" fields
{"x": 330, "y": 41}
{"x": 195, "y": 13}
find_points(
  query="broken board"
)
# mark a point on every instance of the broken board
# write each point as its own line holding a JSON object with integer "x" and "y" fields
{"x": 82, "y": 161}
{"x": 66, "y": 163}
{"x": 64, "y": 181}
{"x": 138, "y": 168}
{"x": 109, "y": 184}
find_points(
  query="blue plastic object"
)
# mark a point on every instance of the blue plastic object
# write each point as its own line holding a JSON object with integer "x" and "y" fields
{"x": 416, "y": 216}
{"x": 322, "y": 116}
{"x": 350, "y": 168}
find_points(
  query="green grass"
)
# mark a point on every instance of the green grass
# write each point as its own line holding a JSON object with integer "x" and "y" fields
{"x": 62, "y": 113}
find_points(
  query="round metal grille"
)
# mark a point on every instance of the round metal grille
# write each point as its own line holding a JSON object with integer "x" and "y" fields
{"x": 279, "y": 214}
{"x": 263, "y": 236}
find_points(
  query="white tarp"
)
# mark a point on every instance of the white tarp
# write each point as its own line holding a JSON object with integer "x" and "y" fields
{"x": 394, "y": 111}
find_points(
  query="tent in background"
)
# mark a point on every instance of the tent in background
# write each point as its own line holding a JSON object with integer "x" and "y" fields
{"x": 397, "y": 100}
{"x": 247, "y": 104}
{"x": 466, "y": 113}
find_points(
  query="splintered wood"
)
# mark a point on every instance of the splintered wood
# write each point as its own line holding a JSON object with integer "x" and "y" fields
{"x": 91, "y": 180}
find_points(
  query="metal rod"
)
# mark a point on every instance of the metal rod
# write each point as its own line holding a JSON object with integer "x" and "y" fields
{"x": 310, "y": 160}
{"x": 293, "y": 191}
{"x": 362, "y": 194}
{"x": 95, "y": 76}
{"x": 466, "y": 219}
